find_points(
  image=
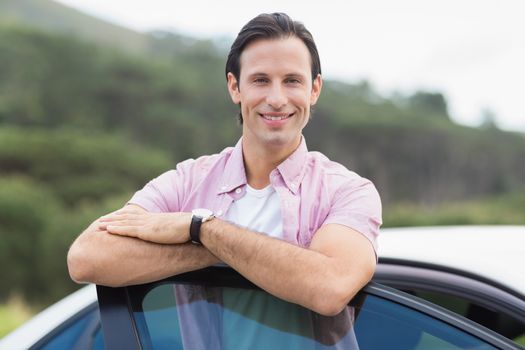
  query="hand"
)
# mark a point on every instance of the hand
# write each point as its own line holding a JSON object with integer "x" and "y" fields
{"x": 164, "y": 228}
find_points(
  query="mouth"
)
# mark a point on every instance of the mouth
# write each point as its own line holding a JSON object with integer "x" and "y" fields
{"x": 276, "y": 116}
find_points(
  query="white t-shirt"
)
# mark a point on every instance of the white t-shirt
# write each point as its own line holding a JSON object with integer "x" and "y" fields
{"x": 259, "y": 211}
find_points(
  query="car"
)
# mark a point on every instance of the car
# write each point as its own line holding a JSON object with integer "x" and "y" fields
{"x": 60, "y": 325}
{"x": 434, "y": 288}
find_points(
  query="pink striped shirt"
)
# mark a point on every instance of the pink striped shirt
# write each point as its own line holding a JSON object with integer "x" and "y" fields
{"x": 313, "y": 191}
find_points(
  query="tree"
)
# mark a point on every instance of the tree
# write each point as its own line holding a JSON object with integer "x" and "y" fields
{"x": 430, "y": 103}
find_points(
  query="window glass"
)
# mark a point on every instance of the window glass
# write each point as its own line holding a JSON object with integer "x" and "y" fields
{"x": 175, "y": 316}
{"x": 98, "y": 339}
{"x": 381, "y": 323}
{"x": 497, "y": 320}
{"x": 83, "y": 333}
{"x": 196, "y": 317}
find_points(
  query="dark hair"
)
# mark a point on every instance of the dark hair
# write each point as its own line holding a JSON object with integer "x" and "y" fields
{"x": 270, "y": 26}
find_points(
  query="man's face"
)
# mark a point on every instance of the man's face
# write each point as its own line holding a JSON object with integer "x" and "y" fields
{"x": 275, "y": 91}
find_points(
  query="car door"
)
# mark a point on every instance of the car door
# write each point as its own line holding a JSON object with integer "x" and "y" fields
{"x": 484, "y": 301}
{"x": 216, "y": 308}
{"x": 71, "y": 323}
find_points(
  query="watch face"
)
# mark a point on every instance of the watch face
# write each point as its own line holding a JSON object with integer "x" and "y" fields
{"x": 203, "y": 213}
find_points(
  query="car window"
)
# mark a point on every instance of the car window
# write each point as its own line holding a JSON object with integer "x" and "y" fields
{"x": 382, "y": 323}
{"x": 481, "y": 300}
{"x": 191, "y": 316}
{"x": 496, "y": 320}
{"x": 81, "y": 332}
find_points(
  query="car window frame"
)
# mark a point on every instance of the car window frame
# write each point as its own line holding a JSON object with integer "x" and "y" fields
{"x": 404, "y": 274}
{"x": 450, "y": 270}
{"x": 120, "y": 329}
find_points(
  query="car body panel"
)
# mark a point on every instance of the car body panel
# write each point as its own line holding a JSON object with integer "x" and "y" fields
{"x": 50, "y": 319}
{"x": 494, "y": 252}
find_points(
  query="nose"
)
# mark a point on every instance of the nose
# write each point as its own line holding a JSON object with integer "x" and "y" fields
{"x": 276, "y": 97}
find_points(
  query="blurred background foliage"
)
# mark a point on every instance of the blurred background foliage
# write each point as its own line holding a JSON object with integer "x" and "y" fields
{"x": 90, "y": 111}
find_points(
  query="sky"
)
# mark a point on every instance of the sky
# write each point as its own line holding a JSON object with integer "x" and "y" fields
{"x": 471, "y": 51}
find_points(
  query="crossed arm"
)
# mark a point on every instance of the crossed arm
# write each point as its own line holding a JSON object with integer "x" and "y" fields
{"x": 133, "y": 246}
{"x": 97, "y": 256}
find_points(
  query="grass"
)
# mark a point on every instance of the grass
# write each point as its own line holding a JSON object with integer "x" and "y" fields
{"x": 520, "y": 340}
{"x": 12, "y": 314}
{"x": 508, "y": 209}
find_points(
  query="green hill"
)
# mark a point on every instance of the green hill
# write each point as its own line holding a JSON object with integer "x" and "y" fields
{"x": 52, "y": 16}
{"x": 409, "y": 146}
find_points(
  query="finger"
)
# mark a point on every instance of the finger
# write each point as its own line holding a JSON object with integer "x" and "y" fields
{"x": 103, "y": 225}
{"x": 119, "y": 217}
{"x": 115, "y": 215}
{"x": 115, "y": 212}
{"x": 126, "y": 223}
{"x": 130, "y": 209}
{"x": 108, "y": 217}
{"x": 130, "y": 231}
{"x": 101, "y": 229}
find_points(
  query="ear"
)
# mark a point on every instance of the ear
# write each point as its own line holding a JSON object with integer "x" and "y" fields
{"x": 233, "y": 88}
{"x": 317, "y": 85}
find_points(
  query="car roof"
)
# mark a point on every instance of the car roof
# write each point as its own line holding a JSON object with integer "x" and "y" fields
{"x": 493, "y": 252}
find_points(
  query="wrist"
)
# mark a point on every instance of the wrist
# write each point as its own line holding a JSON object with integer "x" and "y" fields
{"x": 198, "y": 217}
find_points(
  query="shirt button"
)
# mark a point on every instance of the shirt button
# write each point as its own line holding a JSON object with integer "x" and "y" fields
{"x": 238, "y": 191}
{"x": 223, "y": 188}
{"x": 292, "y": 185}
{"x": 219, "y": 213}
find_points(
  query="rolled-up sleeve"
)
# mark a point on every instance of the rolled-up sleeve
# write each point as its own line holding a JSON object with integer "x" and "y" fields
{"x": 356, "y": 204}
{"x": 166, "y": 192}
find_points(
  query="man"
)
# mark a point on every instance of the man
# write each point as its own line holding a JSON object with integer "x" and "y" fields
{"x": 296, "y": 224}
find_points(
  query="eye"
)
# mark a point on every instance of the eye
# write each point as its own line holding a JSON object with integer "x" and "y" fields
{"x": 293, "y": 81}
{"x": 260, "y": 80}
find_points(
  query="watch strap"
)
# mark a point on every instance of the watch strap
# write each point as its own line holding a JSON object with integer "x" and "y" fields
{"x": 195, "y": 229}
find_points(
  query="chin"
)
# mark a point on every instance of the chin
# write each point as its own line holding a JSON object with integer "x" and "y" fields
{"x": 280, "y": 140}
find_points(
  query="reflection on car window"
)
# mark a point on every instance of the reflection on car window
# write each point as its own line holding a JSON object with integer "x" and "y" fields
{"x": 382, "y": 324}
{"x": 496, "y": 320}
{"x": 196, "y": 317}
{"x": 82, "y": 333}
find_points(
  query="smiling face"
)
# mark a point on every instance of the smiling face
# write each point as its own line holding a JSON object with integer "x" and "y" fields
{"x": 275, "y": 91}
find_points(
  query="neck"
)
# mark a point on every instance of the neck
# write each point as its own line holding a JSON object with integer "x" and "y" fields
{"x": 260, "y": 161}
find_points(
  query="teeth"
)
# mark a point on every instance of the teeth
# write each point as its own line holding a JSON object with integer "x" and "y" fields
{"x": 267, "y": 117}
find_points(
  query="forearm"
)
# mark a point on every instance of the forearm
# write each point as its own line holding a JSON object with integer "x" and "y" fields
{"x": 102, "y": 258}
{"x": 303, "y": 276}
{"x": 338, "y": 262}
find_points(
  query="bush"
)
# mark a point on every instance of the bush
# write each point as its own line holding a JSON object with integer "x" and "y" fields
{"x": 506, "y": 209}
{"x": 78, "y": 166}
{"x": 53, "y": 183}
{"x": 26, "y": 213}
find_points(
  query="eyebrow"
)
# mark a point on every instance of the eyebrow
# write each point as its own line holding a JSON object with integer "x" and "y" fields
{"x": 295, "y": 75}
{"x": 257, "y": 75}
{"x": 289, "y": 75}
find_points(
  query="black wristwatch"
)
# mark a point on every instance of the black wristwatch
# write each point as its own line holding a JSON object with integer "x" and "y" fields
{"x": 198, "y": 216}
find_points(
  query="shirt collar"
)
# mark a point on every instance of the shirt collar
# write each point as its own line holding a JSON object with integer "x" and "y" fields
{"x": 292, "y": 169}
{"x": 234, "y": 174}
